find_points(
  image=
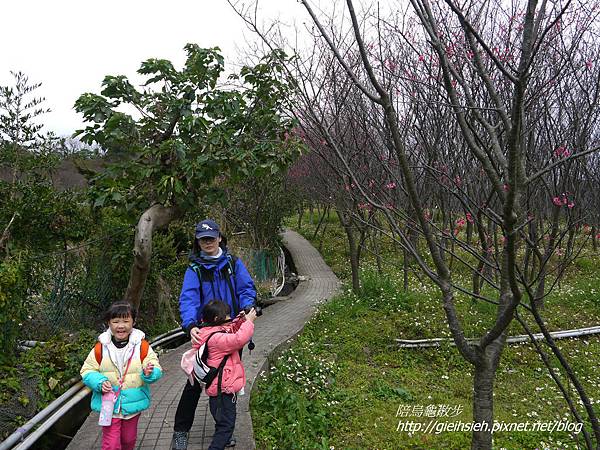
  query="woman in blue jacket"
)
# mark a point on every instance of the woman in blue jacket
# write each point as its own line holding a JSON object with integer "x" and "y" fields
{"x": 213, "y": 274}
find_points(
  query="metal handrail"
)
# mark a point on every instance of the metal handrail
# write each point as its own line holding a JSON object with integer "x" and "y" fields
{"x": 39, "y": 432}
{"x": 562, "y": 334}
{"x": 19, "y": 434}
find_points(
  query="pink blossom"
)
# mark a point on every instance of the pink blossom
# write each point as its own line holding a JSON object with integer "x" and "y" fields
{"x": 598, "y": 236}
{"x": 391, "y": 185}
{"x": 571, "y": 205}
{"x": 421, "y": 58}
{"x": 427, "y": 215}
{"x": 390, "y": 64}
{"x": 588, "y": 64}
{"x": 503, "y": 239}
{"x": 562, "y": 152}
{"x": 505, "y": 187}
{"x": 323, "y": 142}
{"x": 457, "y": 181}
{"x": 365, "y": 206}
{"x": 469, "y": 218}
{"x": 460, "y": 222}
{"x": 556, "y": 201}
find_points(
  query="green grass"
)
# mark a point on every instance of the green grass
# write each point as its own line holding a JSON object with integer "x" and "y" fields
{"x": 344, "y": 378}
{"x": 367, "y": 379}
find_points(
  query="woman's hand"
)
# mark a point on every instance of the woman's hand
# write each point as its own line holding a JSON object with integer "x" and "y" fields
{"x": 106, "y": 387}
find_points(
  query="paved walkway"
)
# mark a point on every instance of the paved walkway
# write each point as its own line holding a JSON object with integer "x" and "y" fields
{"x": 278, "y": 324}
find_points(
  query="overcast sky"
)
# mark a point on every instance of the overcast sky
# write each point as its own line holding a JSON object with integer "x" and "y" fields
{"x": 69, "y": 45}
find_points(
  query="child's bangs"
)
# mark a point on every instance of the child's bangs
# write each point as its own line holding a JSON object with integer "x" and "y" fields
{"x": 120, "y": 310}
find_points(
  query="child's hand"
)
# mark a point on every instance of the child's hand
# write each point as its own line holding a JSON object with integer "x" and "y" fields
{"x": 195, "y": 335}
{"x": 148, "y": 369}
{"x": 251, "y": 315}
{"x": 106, "y": 387}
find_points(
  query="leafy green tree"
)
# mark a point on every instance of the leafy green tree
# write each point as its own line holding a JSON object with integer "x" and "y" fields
{"x": 168, "y": 141}
{"x": 35, "y": 218}
{"x": 19, "y": 134}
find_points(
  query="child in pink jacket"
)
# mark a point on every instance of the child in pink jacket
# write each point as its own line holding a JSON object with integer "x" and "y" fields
{"x": 227, "y": 338}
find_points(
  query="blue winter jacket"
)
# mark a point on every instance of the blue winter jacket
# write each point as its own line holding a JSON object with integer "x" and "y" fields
{"x": 214, "y": 287}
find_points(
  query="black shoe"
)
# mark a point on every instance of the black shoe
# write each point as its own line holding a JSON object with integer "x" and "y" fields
{"x": 232, "y": 442}
{"x": 180, "y": 440}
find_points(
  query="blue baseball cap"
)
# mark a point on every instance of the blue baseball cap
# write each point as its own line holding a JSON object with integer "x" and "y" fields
{"x": 207, "y": 228}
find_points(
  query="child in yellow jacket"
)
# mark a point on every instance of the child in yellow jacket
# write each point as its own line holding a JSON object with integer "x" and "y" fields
{"x": 122, "y": 363}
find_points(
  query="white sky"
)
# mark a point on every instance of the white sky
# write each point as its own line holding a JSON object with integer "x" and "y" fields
{"x": 70, "y": 45}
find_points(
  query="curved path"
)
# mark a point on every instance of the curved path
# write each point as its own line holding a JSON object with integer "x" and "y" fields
{"x": 274, "y": 330}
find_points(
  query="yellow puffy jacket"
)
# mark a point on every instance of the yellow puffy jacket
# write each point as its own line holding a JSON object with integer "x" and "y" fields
{"x": 135, "y": 395}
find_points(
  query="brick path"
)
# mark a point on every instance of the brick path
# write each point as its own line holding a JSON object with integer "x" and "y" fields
{"x": 274, "y": 329}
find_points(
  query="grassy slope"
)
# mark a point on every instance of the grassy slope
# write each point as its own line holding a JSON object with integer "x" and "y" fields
{"x": 365, "y": 380}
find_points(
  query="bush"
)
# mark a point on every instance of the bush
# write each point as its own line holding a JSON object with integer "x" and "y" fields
{"x": 13, "y": 307}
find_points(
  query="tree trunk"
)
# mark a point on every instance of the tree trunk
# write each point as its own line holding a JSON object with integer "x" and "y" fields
{"x": 469, "y": 232}
{"x": 405, "y": 270}
{"x": 300, "y": 214}
{"x": 155, "y": 217}
{"x": 483, "y": 404}
{"x": 570, "y": 242}
{"x": 320, "y": 223}
{"x": 6, "y": 233}
{"x": 354, "y": 254}
{"x": 377, "y": 251}
{"x": 163, "y": 295}
{"x": 485, "y": 255}
{"x": 322, "y": 237}
{"x": 354, "y": 262}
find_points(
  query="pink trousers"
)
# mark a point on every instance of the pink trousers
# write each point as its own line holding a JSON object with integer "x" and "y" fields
{"x": 121, "y": 434}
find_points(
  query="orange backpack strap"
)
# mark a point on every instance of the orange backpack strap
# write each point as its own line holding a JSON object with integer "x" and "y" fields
{"x": 98, "y": 352}
{"x": 144, "y": 346}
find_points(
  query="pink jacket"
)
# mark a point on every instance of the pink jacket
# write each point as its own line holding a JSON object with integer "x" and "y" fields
{"x": 236, "y": 334}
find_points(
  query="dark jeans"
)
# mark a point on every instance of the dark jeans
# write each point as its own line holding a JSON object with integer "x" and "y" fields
{"x": 223, "y": 411}
{"x": 186, "y": 410}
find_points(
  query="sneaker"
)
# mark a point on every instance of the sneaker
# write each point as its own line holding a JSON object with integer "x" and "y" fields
{"x": 180, "y": 440}
{"x": 232, "y": 442}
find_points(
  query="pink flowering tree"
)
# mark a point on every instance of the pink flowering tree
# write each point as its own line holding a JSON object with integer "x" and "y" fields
{"x": 480, "y": 124}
